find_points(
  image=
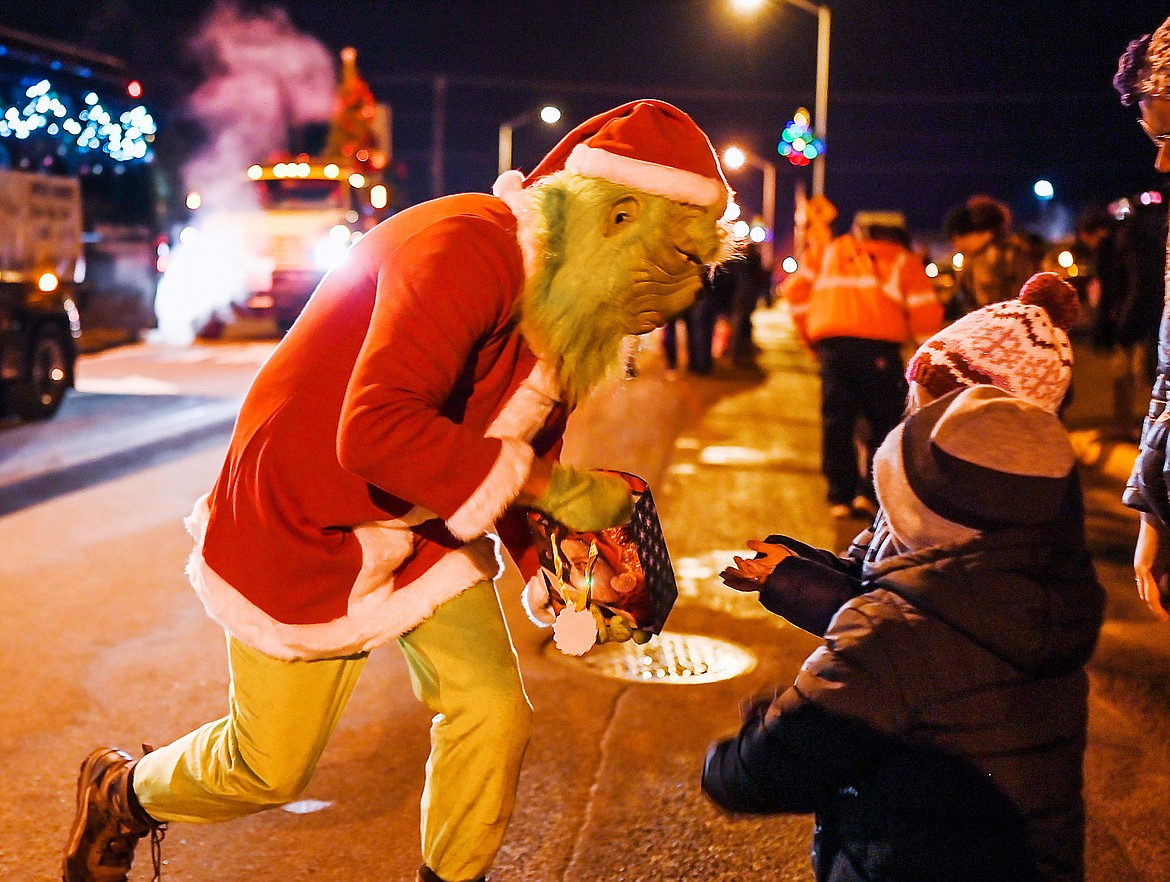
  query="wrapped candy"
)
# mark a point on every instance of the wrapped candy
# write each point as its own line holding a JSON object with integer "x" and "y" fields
{"x": 611, "y": 585}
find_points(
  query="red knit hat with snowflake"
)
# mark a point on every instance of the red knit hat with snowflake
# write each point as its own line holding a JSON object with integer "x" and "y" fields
{"x": 649, "y": 145}
{"x": 1020, "y": 346}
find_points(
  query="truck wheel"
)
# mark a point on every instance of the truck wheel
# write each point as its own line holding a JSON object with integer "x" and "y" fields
{"x": 38, "y": 394}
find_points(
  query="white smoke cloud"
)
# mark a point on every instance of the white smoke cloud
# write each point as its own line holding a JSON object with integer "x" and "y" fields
{"x": 264, "y": 77}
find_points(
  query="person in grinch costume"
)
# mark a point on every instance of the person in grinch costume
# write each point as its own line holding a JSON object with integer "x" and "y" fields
{"x": 375, "y": 483}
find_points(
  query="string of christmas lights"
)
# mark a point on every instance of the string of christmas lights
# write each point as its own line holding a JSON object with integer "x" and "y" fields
{"x": 77, "y": 129}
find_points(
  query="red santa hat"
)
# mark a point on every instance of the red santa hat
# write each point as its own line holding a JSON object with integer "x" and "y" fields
{"x": 648, "y": 145}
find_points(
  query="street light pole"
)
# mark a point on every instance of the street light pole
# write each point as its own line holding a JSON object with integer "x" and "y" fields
{"x": 822, "y": 97}
{"x": 548, "y": 115}
{"x": 770, "y": 207}
{"x": 821, "y": 108}
{"x": 505, "y": 150}
{"x": 438, "y": 133}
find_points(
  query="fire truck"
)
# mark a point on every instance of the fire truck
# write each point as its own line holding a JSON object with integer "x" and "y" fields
{"x": 310, "y": 209}
{"x": 308, "y": 212}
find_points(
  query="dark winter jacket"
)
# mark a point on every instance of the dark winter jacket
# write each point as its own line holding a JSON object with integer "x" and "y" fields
{"x": 939, "y": 732}
{"x": 1147, "y": 487}
{"x": 994, "y": 273}
{"x": 1131, "y": 269}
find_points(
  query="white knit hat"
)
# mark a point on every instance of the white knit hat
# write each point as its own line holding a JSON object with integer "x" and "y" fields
{"x": 979, "y": 459}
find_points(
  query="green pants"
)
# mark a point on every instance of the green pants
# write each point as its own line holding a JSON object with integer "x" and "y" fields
{"x": 281, "y": 713}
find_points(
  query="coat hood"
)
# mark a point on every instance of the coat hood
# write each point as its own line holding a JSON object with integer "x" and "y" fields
{"x": 1027, "y": 597}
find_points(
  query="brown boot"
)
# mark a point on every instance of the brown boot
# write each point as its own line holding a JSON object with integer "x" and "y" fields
{"x": 108, "y": 823}
{"x": 426, "y": 874}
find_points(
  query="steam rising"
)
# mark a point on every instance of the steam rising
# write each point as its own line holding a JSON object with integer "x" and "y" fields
{"x": 264, "y": 77}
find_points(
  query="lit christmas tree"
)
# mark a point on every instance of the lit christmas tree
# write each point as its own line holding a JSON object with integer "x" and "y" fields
{"x": 798, "y": 144}
{"x": 353, "y": 133}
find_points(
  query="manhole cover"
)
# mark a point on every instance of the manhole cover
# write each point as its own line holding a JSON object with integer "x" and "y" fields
{"x": 679, "y": 659}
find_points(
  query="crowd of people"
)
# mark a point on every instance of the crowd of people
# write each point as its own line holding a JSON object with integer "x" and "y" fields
{"x": 1114, "y": 260}
{"x": 386, "y": 452}
{"x": 867, "y": 302}
{"x": 862, "y": 301}
{"x": 718, "y": 325}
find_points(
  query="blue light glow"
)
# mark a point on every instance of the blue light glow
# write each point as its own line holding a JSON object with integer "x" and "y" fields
{"x": 124, "y": 139}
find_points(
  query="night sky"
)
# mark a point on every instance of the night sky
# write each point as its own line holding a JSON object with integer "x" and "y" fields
{"x": 928, "y": 101}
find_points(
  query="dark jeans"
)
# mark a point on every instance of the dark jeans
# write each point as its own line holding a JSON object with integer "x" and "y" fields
{"x": 740, "y": 346}
{"x": 859, "y": 378}
{"x": 700, "y": 324}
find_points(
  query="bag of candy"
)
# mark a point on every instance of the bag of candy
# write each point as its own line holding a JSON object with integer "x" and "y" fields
{"x": 611, "y": 585}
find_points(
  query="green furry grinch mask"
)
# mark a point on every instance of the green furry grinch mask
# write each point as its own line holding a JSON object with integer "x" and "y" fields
{"x": 611, "y": 261}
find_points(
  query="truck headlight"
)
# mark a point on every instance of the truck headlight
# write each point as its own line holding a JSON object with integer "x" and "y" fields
{"x": 329, "y": 253}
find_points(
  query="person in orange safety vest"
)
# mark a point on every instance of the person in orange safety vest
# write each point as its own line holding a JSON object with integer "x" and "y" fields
{"x": 869, "y": 296}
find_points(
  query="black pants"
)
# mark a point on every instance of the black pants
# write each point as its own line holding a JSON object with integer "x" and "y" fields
{"x": 700, "y": 325}
{"x": 859, "y": 378}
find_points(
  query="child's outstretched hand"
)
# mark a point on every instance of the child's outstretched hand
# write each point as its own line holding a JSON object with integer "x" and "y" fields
{"x": 750, "y": 575}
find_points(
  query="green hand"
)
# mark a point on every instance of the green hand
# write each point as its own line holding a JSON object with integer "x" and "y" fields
{"x": 586, "y": 501}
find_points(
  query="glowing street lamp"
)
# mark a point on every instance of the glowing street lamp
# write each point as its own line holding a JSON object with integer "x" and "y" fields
{"x": 1044, "y": 192}
{"x": 549, "y": 115}
{"x": 734, "y": 158}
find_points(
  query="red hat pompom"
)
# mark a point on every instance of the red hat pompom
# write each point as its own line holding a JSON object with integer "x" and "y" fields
{"x": 1057, "y": 297}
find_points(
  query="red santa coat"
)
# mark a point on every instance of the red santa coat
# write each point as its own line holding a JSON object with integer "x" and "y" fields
{"x": 381, "y": 441}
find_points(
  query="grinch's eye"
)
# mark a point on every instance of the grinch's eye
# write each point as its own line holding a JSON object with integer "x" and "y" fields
{"x": 625, "y": 211}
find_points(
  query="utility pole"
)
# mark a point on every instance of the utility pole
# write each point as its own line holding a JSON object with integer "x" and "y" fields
{"x": 438, "y": 133}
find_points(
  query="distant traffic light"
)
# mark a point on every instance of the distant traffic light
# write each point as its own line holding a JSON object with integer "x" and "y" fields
{"x": 798, "y": 144}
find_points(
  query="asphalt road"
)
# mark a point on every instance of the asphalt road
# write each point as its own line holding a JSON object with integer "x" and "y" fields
{"x": 105, "y": 643}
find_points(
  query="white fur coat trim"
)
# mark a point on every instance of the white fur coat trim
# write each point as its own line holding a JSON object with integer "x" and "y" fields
{"x": 501, "y": 486}
{"x": 524, "y": 207}
{"x": 526, "y": 411}
{"x": 378, "y": 611}
{"x": 675, "y": 184}
{"x": 522, "y": 416}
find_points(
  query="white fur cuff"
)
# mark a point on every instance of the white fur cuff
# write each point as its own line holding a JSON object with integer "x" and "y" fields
{"x": 502, "y": 485}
